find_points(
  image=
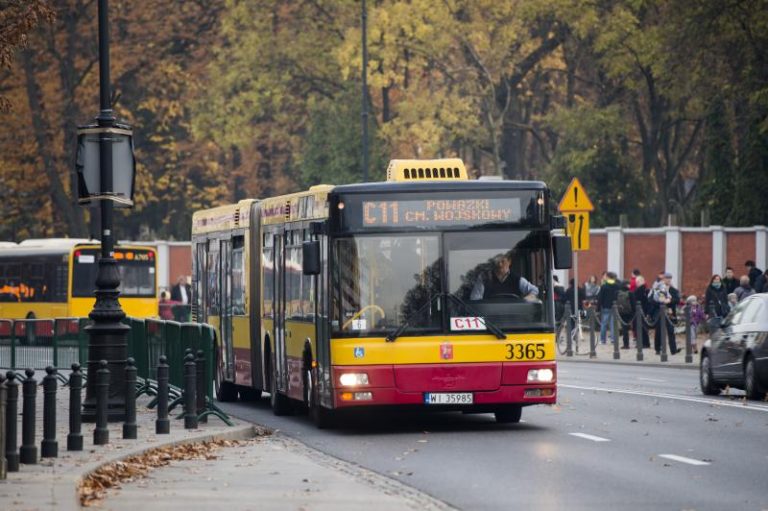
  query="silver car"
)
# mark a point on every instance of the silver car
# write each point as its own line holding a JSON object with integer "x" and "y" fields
{"x": 737, "y": 352}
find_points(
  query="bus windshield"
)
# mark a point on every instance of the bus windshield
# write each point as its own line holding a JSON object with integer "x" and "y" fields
{"x": 500, "y": 277}
{"x": 380, "y": 282}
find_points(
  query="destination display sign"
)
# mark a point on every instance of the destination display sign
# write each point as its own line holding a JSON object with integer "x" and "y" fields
{"x": 439, "y": 212}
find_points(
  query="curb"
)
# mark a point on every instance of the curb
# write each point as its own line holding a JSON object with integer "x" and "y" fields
{"x": 667, "y": 365}
{"x": 72, "y": 483}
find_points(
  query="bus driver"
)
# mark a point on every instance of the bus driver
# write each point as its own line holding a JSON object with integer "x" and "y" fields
{"x": 501, "y": 281}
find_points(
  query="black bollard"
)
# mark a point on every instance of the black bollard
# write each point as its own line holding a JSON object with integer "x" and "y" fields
{"x": 162, "y": 424}
{"x": 639, "y": 332}
{"x": 3, "y": 399}
{"x": 129, "y": 427}
{"x": 616, "y": 319}
{"x": 592, "y": 340}
{"x": 101, "y": 433}
{"x": 28, "y": 451}
{"x": 662, "y": 324}
{"x": 49, "y": 447}
{"x": 190, "y": 401}
{"x": 11, "y": 422}
{"x": 75, "y": 436}
{"x": 200, "y": 380}
{"x": 689, "y": 340}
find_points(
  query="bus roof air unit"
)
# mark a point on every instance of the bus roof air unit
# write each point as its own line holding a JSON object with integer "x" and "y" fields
{"x": 446, "y": 169}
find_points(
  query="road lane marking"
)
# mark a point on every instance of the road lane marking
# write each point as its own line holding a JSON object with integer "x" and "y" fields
{"x": 716, "y": 402}
{"x": 652, "y": 380}
{"x": 590, "y": 437}
{"x": 683, "y": 459}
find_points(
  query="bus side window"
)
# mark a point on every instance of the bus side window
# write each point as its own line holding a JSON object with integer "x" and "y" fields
{"x": 267, "y": 262}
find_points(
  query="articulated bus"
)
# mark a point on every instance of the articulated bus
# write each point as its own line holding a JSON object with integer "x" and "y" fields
{"x": 428, "y": 290}
{"x": 49, "y": 278}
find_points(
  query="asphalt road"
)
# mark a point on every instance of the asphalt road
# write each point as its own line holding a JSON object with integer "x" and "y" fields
{"x": 621, "y": 437}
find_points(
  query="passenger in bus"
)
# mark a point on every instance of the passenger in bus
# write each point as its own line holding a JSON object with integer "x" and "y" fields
{"x": 501, "y": 281}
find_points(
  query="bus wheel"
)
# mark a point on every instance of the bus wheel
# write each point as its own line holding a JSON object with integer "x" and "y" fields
{"x": 509, "y": 415}
{"x": 226, "y": 392}
{"x": 322, "y": 417}
{"x": 281, "y": 405}
{"x": 249, "y": 394}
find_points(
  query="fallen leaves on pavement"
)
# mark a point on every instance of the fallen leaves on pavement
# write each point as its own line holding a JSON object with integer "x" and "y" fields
{"x": 93, "y": 488}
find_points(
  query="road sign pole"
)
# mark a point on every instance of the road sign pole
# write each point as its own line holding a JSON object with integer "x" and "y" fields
{"x": 577, "y": 319}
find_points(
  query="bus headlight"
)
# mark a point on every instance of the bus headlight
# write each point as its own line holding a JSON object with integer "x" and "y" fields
{"x": 353, "y": 379}
{"x": 540, "y": 375}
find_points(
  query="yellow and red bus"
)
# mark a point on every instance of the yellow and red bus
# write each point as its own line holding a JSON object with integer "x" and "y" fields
{"x": 49, "y": 278}
{"x": 383, "y": 294}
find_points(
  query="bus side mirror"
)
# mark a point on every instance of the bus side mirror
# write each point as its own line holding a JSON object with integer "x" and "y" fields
{"x": 310, "y": 257}
{"x": 561, "y": 247}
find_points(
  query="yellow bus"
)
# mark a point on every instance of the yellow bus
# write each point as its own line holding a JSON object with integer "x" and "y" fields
{"x": 428, "y": 290}
{"x": 49, "y": 278}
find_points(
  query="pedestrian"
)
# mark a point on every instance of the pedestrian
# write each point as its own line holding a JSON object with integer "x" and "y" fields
{"x": 181, "y": 291}
{"x": 697, "y": 317}
{"x": 560, "y": 298}
{"x": 752, "y": 272}
{"x": 761, "y": 283}
{"x": 733, "y": 299}
{"x": 166, "y": 306}
{"x": 664, "y": 293}
{"x": 730, "y": 281}
{"x": 716, "y": 298}
{"x": 745, "y": 288}
{"x": 640, "y": 296}
{"x": 591, "y": 288}
{"x": 626, "y": 312}
{"x": 606, "y": 297}
{"x": 633, "y": 280}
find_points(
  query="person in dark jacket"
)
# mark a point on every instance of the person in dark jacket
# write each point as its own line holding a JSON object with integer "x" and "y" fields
{"x": 716, "y": 298}
{"x": 626, "y": 311}
{"x": 730, "y": 282}
{"x": 640, "y": 296}
{"x": 761, "y": 283}
{"x": 605, "y": 300}
{"x": 754, "y": 272}
{"x": 664, "y": 293}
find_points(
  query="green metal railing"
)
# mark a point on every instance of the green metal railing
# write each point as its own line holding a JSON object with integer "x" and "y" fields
{"x": 38, "y": 343}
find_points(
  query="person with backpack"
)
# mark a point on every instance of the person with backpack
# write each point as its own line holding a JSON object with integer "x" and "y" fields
{"x": 626, "y": 312}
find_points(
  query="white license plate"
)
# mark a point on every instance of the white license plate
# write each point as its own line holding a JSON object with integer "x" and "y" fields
{"x": 448, "y": 398}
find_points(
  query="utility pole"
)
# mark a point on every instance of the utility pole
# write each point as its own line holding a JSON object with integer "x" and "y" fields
{"x": 364, "y": 17}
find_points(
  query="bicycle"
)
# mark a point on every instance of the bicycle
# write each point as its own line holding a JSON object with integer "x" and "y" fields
{"x": 578, "y": 334}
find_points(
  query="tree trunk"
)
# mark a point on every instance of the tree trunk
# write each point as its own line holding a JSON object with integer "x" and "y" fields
{"x": 61, "y": 203}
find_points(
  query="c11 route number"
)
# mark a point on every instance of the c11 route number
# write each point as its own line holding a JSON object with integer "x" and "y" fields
{"x": 525, "y": 351}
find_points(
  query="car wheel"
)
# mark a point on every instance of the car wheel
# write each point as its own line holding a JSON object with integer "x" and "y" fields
{"x": 751, "y": 386}
{"x": 509, "y": 415}
{"x": 281, "y": 405}
{"x": 708, "y": 385}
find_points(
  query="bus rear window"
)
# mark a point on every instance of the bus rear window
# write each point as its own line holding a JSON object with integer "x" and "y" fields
{"x": 137, "y": 272}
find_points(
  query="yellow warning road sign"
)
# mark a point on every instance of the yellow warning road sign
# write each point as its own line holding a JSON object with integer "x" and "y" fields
{"x": 575, "y": 199}
{"x": 578, "y": 230}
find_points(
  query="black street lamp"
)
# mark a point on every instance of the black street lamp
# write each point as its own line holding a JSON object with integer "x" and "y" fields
{"x": 364, "y": 71}
{"x": 106, "y": 177}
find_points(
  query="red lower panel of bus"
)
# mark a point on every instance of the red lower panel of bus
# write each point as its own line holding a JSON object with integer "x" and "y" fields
{"x": 489, "y": 383}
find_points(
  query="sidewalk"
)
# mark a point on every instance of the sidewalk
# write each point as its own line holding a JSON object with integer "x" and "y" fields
{"x": 268, "y": 472}
{"x": 605, "y": 355}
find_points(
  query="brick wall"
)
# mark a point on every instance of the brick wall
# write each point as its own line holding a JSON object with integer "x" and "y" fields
{"x": 697, "y": 262}
{"x": 594, "y": 260}
{"x": 180, "y": 263}
{"x": 740, "y": 247}
{"x": 644, "y": 252}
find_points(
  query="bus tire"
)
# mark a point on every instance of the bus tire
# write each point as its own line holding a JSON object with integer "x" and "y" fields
{"x": 226, "y": 392}
{"x": 249, "y": 394}
{"x": 281, "y": 405}
{"x": 509, "y": 415}
{"x": 322, "y": 417}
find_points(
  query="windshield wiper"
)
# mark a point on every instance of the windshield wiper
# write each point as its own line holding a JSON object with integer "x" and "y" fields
{"x": 394, "y": 335}
{"x": 495, "y": 330}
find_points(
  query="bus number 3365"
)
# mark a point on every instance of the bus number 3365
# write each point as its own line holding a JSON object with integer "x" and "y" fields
{"x": 525, "y": 351}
